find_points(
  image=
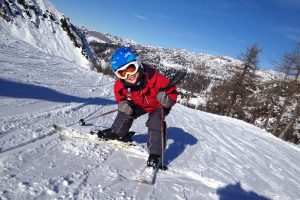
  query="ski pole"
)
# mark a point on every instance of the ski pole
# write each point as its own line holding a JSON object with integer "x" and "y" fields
{"x": 82, "y": 121}
{"x": 163, "y": 127}
{"x": 177, "y": 78}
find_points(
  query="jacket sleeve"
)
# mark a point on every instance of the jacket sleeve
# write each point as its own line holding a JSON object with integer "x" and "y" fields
{"x": 118, "y": 91}
{"x": 162, "y": 82}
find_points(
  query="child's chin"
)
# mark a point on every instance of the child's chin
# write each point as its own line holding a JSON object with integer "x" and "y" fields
{"x": 131, "y": 81}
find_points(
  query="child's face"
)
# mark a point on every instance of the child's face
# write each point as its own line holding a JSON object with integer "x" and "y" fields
{"x": 132, "y": 78}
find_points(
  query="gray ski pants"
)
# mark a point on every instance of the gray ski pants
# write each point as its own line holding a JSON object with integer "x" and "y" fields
{"x": 123, "y": 122}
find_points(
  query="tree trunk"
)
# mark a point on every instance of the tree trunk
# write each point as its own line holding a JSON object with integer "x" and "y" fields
{"x": 291, "y": 122}
{"x": 280, "y": 116}
{"x": 231, "y": 104}
{"x": 270, "y": 111}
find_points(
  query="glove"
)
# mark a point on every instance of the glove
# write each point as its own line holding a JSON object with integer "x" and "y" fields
{"x": 124, "y": 107}
{"x": 164, "y": 99}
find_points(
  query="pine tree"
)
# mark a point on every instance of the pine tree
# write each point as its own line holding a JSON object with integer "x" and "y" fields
{"x": 243, "y": 81}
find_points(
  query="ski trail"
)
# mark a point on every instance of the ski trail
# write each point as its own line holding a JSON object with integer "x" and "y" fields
{"x": 73, "y": 182}
{"x": 13, "y": 123}
{"x": 17, "y": 126}
{"x": 176, "y": 175}
{"x": 29, "y": 144}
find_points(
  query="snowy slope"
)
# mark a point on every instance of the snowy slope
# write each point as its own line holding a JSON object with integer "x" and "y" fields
{"x": 46, "y": 34}
{"x": 209, "y": 156}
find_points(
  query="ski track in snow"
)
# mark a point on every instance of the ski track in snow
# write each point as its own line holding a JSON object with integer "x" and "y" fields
{"x": 209, "y": 156}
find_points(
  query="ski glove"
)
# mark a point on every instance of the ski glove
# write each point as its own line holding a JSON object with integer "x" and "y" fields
{"x": 124, "y": 107}
{"x": 164, "y": 99}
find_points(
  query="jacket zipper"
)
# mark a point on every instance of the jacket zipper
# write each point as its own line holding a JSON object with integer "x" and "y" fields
{"x": 145, "y": 97}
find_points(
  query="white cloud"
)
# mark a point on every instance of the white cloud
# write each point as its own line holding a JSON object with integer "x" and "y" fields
{"x": 292, "y": 33}
{"x": 293, "y": 37}
{"x": 140, "y": 16}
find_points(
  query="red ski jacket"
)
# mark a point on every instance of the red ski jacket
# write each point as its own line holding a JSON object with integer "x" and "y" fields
{"x": 145, "y": 96}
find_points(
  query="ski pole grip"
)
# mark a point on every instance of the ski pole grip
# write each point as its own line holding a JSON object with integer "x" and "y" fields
{"x": 177, "y": 78}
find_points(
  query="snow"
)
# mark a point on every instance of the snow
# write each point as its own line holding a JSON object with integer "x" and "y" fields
{"x": 94, "y": 39}
{"x": 48, "y": 37}
{"x": 209, "y": 156}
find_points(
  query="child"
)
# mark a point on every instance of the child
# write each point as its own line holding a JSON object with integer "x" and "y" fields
{"x": 140, "y": 90}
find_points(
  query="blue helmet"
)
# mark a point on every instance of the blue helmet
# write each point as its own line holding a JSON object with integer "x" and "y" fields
{"x": 121, "y": 57}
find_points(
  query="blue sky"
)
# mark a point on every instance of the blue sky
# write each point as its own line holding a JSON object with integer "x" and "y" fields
{"x": 218, "y": 27}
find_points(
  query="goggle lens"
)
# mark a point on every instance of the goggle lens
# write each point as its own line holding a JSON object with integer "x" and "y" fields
{"x": 130, "y": 69}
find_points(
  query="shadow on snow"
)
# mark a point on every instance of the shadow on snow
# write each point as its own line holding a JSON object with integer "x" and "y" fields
{"x": 236, "y": 192}
{"x": 180, "y": 140}
{"x": 10, "y": 88}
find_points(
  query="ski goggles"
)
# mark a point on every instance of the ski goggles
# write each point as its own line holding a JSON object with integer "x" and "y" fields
{"x": 128, "y": 69}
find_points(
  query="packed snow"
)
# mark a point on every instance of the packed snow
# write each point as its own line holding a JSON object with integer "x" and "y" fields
{"x": 209, "y": 156}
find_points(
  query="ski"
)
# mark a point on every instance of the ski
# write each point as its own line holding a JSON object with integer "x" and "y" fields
{"x": 148, "y": 174}
{"x": 70, "y": 133}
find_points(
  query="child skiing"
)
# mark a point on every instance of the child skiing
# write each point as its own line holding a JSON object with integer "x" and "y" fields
{"x": 140, "y": 89}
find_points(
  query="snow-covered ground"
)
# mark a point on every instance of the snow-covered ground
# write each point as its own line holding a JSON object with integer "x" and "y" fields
{"x": 209, "y": 156}
{"x": 43, "y": 33}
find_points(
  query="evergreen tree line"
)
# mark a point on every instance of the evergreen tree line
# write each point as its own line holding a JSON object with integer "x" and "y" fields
{"x": 272, "y": 104}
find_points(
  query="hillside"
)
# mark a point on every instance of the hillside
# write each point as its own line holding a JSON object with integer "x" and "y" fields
{"x": 40, "y": 24}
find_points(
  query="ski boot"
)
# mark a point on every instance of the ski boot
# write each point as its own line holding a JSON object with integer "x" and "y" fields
{"x": 128, "y": 137}
{"x": 153, "y": 160}
{"x": 108, "y": 134}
